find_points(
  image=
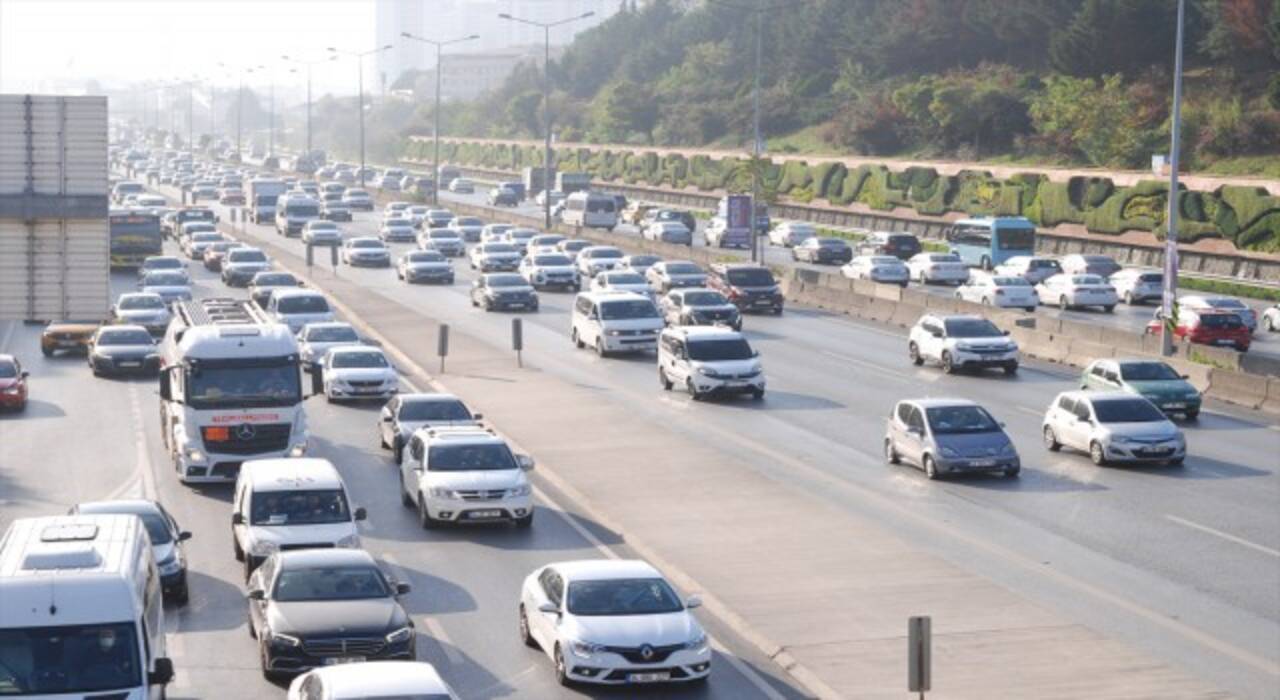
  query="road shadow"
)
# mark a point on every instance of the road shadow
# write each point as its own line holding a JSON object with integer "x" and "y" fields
{"x": 217, "y": 492}
{"x": 1219, "y": 421}
{"x": 35, "y": 409}
{"x": 469, "y": 678}
{"x": 432, "y": 595}
{"x": 1197, "y": 467}
{"x": 776, "y": 400}
{"x": 1028, "y": 481}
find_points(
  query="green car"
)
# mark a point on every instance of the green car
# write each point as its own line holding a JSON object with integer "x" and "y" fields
{"x": 1152, "y": 379}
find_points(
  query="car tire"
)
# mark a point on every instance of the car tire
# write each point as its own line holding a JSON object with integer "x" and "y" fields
{"x": 600, "y": 348}
{"x": 424, "y": 516}
{"x": 405, "y": 499}
{"x": 663, "y": 380}
{"x": 525, "y": 636}
{"x": 267, "y": 673}
{"x": 1096, "y": 455}
{"x": 1268, "y": 324}
{"x": 690, "y": 387}
{"x": 47, "y": 352}
{"x": 948, "y": 366}
{"x": 1176, "y": 462}
{"x": 757, "y": 395}
{"x": 986, "y": 263}
{"x": 562, "y": 673}
{"x": 1031, "y": 309}
{"x": 577, "y": 341}
{"x": 913, "y": 352}
{"x": 986, "y": 301}
{"x": 1012, "y": 472}
{"x": 1109, "y": 309}
{"x": 930, "y": 468}
{"x": 235, "y": 548}
{"x": 1051, "y": 440}
{"x": 891, "y": 454}
{"x": 1193, "y": 415}
{"x": 397, "y": 450}
{"x": 525, "y": 523}
{"x": 1062, "y": 303}
{"x": 1011, "y": 369}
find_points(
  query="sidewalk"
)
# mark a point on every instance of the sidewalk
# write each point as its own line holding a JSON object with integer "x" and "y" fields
{"x": 834, "y": 616}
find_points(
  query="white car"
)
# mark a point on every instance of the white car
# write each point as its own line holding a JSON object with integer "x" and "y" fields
{"x": 395, "y": 209}
{"x": 317, "y": 339}
{"x": 416, "y": 214}
{"x": 461, "y": 186}
{"x": 614, "y": 622}
{"x": 665, "y": 275}
{"x": 240, "y": 264}
{"x": 465, "y": 474}
{"x": 371, "y": 679}
{"x": 297, "y": 307}
{"x": 321, "y": 233}
{"x": 520, "y": 237}
{"x": 397, "y": 230}
{"x": 468, "y": 228}
{"x": 1138, "y": 286}
{"x": 1033, "y": 268}
{"x": 442, "y": 240}
{"x": 613, "y": 322}
{"x": 1075, "y": 291}
{"x": 640, "y": 263}
{"x": 438, "y": 218}
{"x": 493, "y": 233}
{"x": 621, "y": 280}
{"x": 790, "y": 234}
{"x": 1222, "y": 305}
{"x": 425, "y": 266}
{"x": 1100, "y": 265}
{"x": 938, "y": 268}
{"x": 145, "y": 309}
{"x": 495, "y": 257}
{"x": 360, "y": 372}
{"x": 555, "y": 195}
{"x": 573, "y": 246}
{"x": 542, "y": 270}
{"x": 1271, "y": 318}
{"x": 598, "y": 258}
{"x": 1008, "y": 292}
{"x": 709, "y": 361}
{"x": 1113, "y": 426}
{"x": 543, "y": 240}
{"x": 197, "y": 241}
{"x": 884, "y": 269}
{"x": 406, "y": 414}
{"x": 366, "y": 250}
{"x": 171, "y": 286}
{"x": 961, "y": 342}
{"x": 357, "y": 199}
{"x": 672, "y": 232}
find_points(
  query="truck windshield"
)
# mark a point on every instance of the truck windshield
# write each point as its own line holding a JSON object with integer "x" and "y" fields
{"x": 299, "y": 507}
{"x": 73, "y": 659}
{"x": 262, "y": 385}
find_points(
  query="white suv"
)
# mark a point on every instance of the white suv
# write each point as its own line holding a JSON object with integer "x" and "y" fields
{"x": 615, "y": 322}
{"x": 290, "y": 504}
{"x": 957, "y": 342}
{"x": 465, "y": 474}
{"x": 709, "y": 360}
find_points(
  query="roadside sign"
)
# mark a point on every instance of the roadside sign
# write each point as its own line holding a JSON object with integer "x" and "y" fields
{"x": 738, "y": 214}
{"x": 919, "y": 640}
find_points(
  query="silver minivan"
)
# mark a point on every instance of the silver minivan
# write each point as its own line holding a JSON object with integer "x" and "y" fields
{"x": 948, "y": 436}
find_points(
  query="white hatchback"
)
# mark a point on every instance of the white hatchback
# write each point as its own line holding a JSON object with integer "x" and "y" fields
{"x": 1113, "y": 426}
{"x": 998, "y": 290}
{"x": 1076, "y": 291}
{"x": 358, "y": 372}
{"x": 938, "y": 268}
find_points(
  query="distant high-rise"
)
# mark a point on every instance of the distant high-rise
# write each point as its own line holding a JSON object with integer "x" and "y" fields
{"x": 450, "y": 19}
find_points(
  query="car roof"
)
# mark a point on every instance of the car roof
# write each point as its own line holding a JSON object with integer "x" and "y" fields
{"x": 707, "y": 332}
{"x": 1096, "y": 396}
{"x": 461, "y": 434}
{"x": 295, "y": 292}
{"x": 604, "y": 569}
{"x": 121, "y": 327}
{"x": 135, "y": 295}
{"x": 134, "y": 506}
{"x": 304, "y": 558}
{"x": 353, "y": 349}
{"x": 324, "y": 324}
{"x": 428, "y": 397}
{"x": 364, "y": 238}
{"x": 290, "y": 474}
{"x": 399, "y": 678}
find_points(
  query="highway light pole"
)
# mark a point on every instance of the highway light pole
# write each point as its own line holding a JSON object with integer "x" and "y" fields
{"x": 546, "y": 99}
{"x": 1171, "y": 236}
{"x": 309, "y": 65}
{"x": 435, "y": 160}
{"x": 359, "y": 55}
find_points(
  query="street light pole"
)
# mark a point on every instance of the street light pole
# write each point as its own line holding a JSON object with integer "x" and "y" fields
{"x": 360, "y": 92}
{"x": 435, "y": 161}
{"x": 1171, "y": 236}
{"x": 756, "y": 146}
{"x": 546, "y": 101}
{"x": 309, "y": 65}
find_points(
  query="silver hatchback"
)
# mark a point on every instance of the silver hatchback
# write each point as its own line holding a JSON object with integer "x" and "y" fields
{"x": 949, "y": 436}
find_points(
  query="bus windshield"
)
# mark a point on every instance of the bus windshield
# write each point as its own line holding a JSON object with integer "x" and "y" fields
{"x": 71, "y": 659}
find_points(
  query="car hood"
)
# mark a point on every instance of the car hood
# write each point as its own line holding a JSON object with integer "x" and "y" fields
{"x": 973, "y": 444}
{"x": 712, "y": 309}
{"x": 635, "y": 630}
{"x": 428, "y": 265}
{"x": 304, "y": 533}
{"x": 490, "y": 480}
{"x": 408, "y": 428}
{"x": 640, "y": 288}
{"x": 1155, "y": 430}
{"x": 5, "y": 383}
{"x": 167, "y": 289}
{"x": 555, "y": 269}
{"x": 318, "y": 349}
{"x": 246, "y": 266}
{"x": 731, "y": 366}
{"x": 361, "y": 374}
{"x": 337, "y": 618}
{"x": 1161, "y": 387}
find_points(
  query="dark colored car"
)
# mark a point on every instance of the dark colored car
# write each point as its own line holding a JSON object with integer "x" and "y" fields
{"x": 215, "y": 252}
{"x": 900, "y": 245}
{"x": 317, "y": 607}
{"x": 13, "y": 384}
{"x": 503, "y": 197}
{"x": 823, "y": 251}
{"x": 505, "y": 291}
{"x": 683, "y": 217}
{"x": 166, "y": 540}
{"x": 749, "y": 287}
{"x": 1223, "y": 330}
{"x": 123, "y": 350}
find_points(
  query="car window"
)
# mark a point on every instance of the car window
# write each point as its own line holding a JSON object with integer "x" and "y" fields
{"x": 1067, "y": 404}
{"x": 1082, "y": 410}
{"x": 904, "y": 412}
{"x": 914, "y": 419}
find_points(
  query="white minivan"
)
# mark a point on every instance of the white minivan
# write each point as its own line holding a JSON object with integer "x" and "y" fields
{"x": 613, "y": 322}
{"x": 284, "y": 504}
{"x": 81, "y": 611}
{"x": 709, "y": 361}
{"x": 591, "y": 210}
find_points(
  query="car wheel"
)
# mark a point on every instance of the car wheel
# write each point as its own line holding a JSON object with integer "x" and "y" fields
{"x": 424, "y": 516}
{"x": 524, "y": 523}
{"x": 1193, "y": 415}
{"x": 405, "y": 499}
{"x": 1031, "y": 309}
{"x": 600, "y": 348}
{"x": 1109, "y": 309}
{"x": 1096, "y": 454}
{"x": 235, "y": 547}
{"x": 1051, "y": 440}
{"x": 692, "y": 389}
{"x": 757, "y": 394}
{"x": 986, "y": 263}
{"x": 890, "y": 454}
{"x": 986, "y": 301}
{"x": 397, "y": 450}
{"x": 913, "y": 351}
{"x": 947, "y": 365}
{"x": 930, "y": 468}
{"x": 525, "y": 635}
{"x": 1011, "y": 368}
{"x": 1268, "y": 323}
{"x": 1062, "y": 303}
{"x": 1177, "y": 462}
{"x": 1012, "y": 472}
{"x": 577, "y": 342}
{"x": 562, "y": 671}
{"x": 664, "y": 380}
{"x": 264, "y": 658}
{"x": 47, "y": 352}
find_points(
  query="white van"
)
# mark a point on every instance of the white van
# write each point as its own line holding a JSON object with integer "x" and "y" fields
{"x": 81, "y": 612}
{"x": 591, "y": 210}
{"x": 293, "y": 211}
{"x": 284, "y": 504}
{"x": 613, "y": 322}
{"x": 709, "y": 361}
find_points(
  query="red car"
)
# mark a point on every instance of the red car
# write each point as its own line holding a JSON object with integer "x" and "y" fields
{"x": 13, "y": 383}
{"x": 1221, "y": 329}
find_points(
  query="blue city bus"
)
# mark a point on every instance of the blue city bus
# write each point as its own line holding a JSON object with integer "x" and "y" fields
{"x": 986, "y": 242}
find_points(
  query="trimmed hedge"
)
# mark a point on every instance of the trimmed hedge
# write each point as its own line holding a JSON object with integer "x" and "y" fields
{"x": 1246, "y": 216}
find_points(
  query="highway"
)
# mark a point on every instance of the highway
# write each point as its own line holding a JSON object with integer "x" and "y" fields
{"x": 1200, "y": 544}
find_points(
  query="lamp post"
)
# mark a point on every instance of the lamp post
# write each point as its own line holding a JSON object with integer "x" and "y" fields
{"x": 309, "y": 65}
{"x": 435, "y": 160}
{"x": 1171, "y": 236}
{"x": 359, "y": 56}
{"x": 546, "y": 98}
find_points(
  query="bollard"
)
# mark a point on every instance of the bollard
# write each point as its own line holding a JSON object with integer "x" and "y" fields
{"x": 517, "y": 340}
{"x": 333, "y": 257}
{"x": 919, "y": 653}
{"x": 311, "y": 256}
{"x": 442, "y": 345}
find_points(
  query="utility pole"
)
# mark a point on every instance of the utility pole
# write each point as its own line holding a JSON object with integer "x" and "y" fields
{"x": 546, "y": 100}
{"x": 1171, "y": 236}
{"x": 756, "y": 147}
{"x": 359, "y": 55}
{"x": 435, "y": 161}
{"x": 309, "y": 65}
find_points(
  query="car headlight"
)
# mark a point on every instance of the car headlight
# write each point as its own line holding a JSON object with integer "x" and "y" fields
{"x": 442, "y": 493}
{"x": 400, "y": 635}
{"x": 10, "y": 390}
{"x": 948, "y": 452}
{"x": 194, "y": 455}
{"x": 263, "y": 548}
{"x": 613, "y": 332}
{"x": 708, "y": 372}
{"x": 585, "y": 649}
{"x": 520, "y": 491}
{"x": 349, "y": 542}
{"x": 1192, "y": 395}
{"x": 698, "y": 643}
{"x": 1120, "y": 440}
{"x": 963, "y": 347}
{"x": 285, "y": 640}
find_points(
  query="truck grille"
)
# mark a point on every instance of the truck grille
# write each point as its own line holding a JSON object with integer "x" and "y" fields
{"x": 246, "y": 438}
{"x": 347, "y": 646}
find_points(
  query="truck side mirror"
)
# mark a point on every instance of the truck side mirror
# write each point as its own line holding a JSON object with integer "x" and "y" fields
{"x": 163, "y": 672}
{"x": 166, "y": 386}
{"x": 317, "y": 380}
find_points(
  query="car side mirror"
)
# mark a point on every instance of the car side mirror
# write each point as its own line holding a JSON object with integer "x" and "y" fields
{"x": 477, "y": 416}
{"x": 237, "y": 518}
{"x": 755, "y": 353}
{"x": 1184, "y": 376}
{"x": 162, "y": 673}
{"x": 549, "y": 608}
{"x": 1005, "y": 333}
{"x": 361, "y": 514}
{"x": 257, "y": 594}
{"x": 936, "y": 334}
{"x": 184, "y": 536}
{"x": 693, "y": 601}
{"x": 26, "y": 374}
{"x": 403, "y": 588}
{"x": 525, "y": 462}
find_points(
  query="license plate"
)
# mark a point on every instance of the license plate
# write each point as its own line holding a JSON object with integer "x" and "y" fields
{"x": 735, "y": 384}
{"x": 484, "y": 514}
{"x": 1175, "y": 405}
{"x": 130, "y": 364}
{"x": 515, "y": 306}
{"x": 336, "y": 660}
{"x": 763, "y": 302}
{"x": 983, "y": 463}
{"x": 1224, "y": 342}
{"x": 649, "y": 677}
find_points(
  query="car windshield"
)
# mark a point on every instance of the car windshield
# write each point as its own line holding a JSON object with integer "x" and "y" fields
{"x": 603, "y": 253}
{"x": 1133, "y": 410}
{"x": 299, "y": 507}
{"x": 132, "y": 303}
{"x": 69, "y": 660}
{"x": 952, "y": 420}
{"x": 551, "y": 260}
{"x": 275, "y": 280}
{"x": 427, "y": 256}
{"x": 332, "y": 334}
{"x": 715, "y": 350}
{"x": 124, "y": 337}
{"x": 322, "y": 226}
{"x": 505, "y": 281}
{"x": 330, "y": 583}
{"x": 751, "y": 277}
{"x": 830, "y": 243}
{"x": 308, "y": 304}
{"x": 704, "y": 299}
{"x": 498, "y": 248}
{"x": 353, "y": 360}
{"x": 202, "y": 236}
{"x": 468, "y": 221}
{"x": 683, "y": 269}
{"x": 434, "y": 411}
{"x": 627, "y": 309}
{"x": 1098, "y": 260}
{"x": 366, "y": 244}
{"x": 1044, "y": 265}
{"x": 8, "y": 370}
{"x": 357, "y": 193}
{"x": 624, "y": 278}
{"x": 439, "y": 235}
{"x": 246, "y": 256}
{"x": 1147, "y": 372}
{"x": 971, "y": 328}
{"x": 638, "y": 596}
{"x": 462, "y": 458}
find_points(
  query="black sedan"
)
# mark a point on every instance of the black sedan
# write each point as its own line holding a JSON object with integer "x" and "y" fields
{"x": 316, "y": 607}
{"x": 503, "y": 291}
{"x": 166, "y": 540}
{"x": 823, "y": 251}
{"x": 123, "y": 350}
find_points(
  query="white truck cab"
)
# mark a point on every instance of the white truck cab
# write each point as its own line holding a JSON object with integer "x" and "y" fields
{"x": 465, "y": 474}
{"x": 613, "y": 322}
{"x": 708, "y": 361}
{"x": 283, "y": 504}
{"x": 81, "y": 610}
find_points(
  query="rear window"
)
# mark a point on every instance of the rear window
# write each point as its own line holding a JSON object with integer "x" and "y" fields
{"x": 683, "y": 269}
{"x": 1086, "y": 279}
{"x": 303, "y": 305}
{"x": 1220, "y": 321}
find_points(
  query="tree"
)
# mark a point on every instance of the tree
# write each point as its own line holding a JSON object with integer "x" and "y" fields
{"x": 1099, "y": 120}
{"x": 625, "y": 107}
{"x": 1115, "y": 36}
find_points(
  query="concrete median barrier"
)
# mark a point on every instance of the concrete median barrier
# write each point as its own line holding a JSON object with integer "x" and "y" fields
{"x": 1238, "y": 387}
{"x": 906, "y": 315}
{"x": 1272, "y": 404}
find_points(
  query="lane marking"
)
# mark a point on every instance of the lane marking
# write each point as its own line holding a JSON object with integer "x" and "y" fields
{"x": 865, "y": 364}
{"x": 144, "y": 466}
{"x": 1029, "y": 411}
{"x": 8, "y": 336}
{"x": 1224, "y": 535}
{"x": 442, "y": 640}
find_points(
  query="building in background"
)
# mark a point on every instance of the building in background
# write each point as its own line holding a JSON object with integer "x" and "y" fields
{"x": 470, "y": 75}
{"x": 449, "y": 19}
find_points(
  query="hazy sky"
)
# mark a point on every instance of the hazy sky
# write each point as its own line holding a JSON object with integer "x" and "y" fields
{"x": 48, "y": 41}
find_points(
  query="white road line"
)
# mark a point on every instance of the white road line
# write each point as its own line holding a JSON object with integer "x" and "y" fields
{"x": 8, "y": 336}
{"x": 442, "y": 640}
{"x": 144, "y": 466}
{"x": 1226, "y": 536}
{"x": 1029, "y": 411}
{"x": 895, "y": 374}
